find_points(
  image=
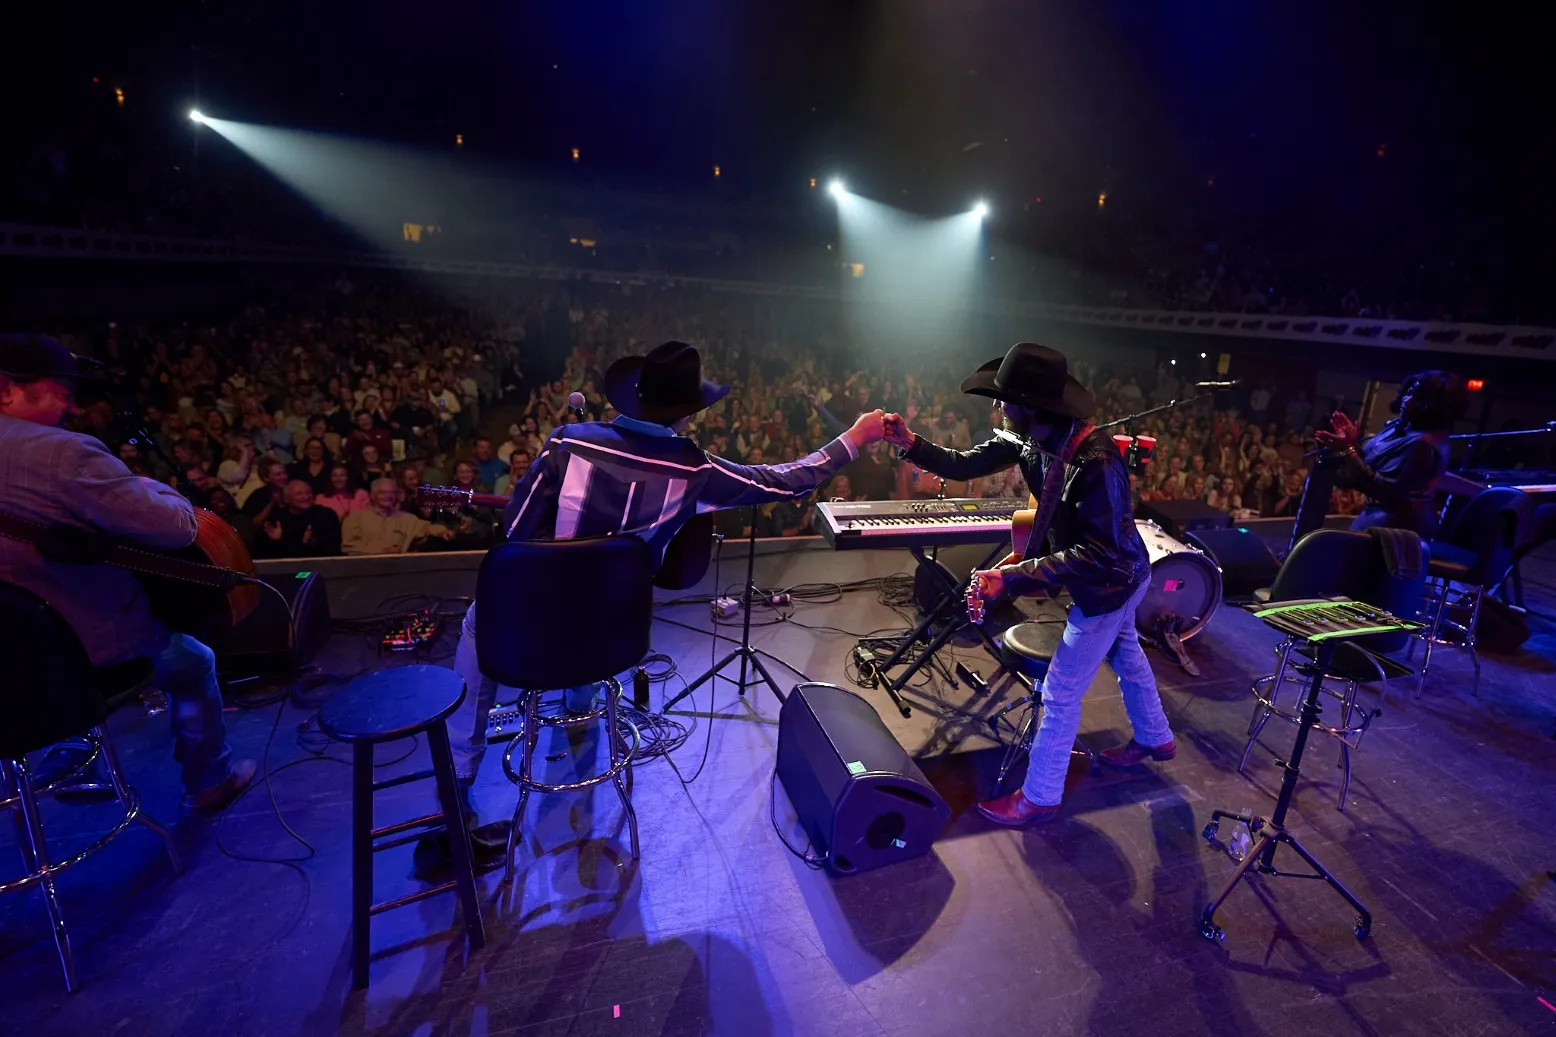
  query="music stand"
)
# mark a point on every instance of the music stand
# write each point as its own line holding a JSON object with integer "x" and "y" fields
{"x": 747, "y": 655}
{"x": 1321, "y": 624}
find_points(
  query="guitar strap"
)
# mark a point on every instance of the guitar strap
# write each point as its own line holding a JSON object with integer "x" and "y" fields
{"x": 1053, "y": 488}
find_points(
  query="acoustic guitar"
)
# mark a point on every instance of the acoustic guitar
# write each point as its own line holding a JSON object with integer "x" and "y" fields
{"x": 202, "y": 590}
{"x": 1021, "y": 524}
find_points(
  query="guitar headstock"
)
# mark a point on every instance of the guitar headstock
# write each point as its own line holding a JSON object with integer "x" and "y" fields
{"x": 974, "y": 602}
{"x": 443, "y": 498}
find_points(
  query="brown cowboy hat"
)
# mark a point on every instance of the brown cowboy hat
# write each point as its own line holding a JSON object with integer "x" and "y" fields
{"x": 663, "y": 387}
{"x": 1035, "y": 376}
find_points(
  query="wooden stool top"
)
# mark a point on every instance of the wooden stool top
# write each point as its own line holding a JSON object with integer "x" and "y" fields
{"x": 393, "y": 703}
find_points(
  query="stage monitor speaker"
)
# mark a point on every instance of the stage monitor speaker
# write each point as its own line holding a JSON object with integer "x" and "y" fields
{"x": 1177, "y": 517}
{"x": 283, "y": 633}
{"x": 859, "y": 796}
{"x": 1245, "y": 558}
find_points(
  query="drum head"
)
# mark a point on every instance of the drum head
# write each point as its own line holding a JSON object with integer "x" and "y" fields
{"x": 1185, "y": 586}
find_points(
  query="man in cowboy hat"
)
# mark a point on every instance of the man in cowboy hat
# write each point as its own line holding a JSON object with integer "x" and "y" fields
{"x": 1092, "y": 550}
{"x": 637, "y": 475}
{"x": 50, "y": 476}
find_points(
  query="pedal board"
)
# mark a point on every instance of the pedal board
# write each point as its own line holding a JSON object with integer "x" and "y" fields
{"x": 419, "y": 630}
{"x": 504, "y": 723}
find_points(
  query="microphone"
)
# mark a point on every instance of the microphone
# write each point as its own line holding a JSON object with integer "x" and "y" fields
{"x": 1232, "y": 384}
{"x": 575, "y": 403}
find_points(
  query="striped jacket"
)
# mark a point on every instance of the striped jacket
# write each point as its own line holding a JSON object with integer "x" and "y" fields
{"x": 629, "y": 476}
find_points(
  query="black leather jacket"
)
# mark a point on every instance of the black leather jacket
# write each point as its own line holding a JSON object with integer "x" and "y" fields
{"x": 1093, "y": 548}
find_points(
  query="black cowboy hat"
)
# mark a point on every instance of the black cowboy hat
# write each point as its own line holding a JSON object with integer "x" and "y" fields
{"x": 28, "y": 357}
{"x": 1034, "y": 376}
{"x": 663, "y": 387}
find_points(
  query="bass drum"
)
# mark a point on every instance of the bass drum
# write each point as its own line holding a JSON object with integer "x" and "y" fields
{"x": 1185, "y": 584}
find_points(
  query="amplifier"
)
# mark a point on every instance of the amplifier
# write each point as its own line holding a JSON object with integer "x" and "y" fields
{"x": 859, "y": 796}
{"x": 283, "y": 633}
{"x": 1177, "y": 517}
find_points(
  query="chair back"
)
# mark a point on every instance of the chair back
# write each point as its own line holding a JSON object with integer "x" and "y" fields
{"x": 563, "y": 613}
{"x": 1351, "y": 562}
{"x": 1488, "y": 527}
{"x": 51, "y": 692}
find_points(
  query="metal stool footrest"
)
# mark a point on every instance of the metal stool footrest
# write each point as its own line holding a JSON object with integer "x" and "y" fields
{"x": 625, "y": 741}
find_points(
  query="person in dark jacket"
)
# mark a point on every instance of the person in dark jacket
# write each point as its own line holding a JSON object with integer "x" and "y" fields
{"x": 1398, "y": 468}
{"x": 1084, "y": 541}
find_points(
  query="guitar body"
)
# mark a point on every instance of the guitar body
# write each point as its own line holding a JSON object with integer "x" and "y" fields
{"x": 202, "y": 611}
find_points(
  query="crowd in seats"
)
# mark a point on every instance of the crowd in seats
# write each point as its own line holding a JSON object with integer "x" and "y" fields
{"x": 312, "y": 421}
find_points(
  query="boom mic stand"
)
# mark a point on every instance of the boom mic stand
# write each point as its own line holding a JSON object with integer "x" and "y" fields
{"x": 747, "y": 655}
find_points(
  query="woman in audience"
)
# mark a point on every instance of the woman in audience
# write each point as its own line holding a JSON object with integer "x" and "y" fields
{"x": 344, "y": 496}
{"x": 314, "y": 466}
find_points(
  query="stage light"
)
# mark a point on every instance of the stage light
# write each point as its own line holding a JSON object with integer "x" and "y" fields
{"x": 575, "y": 154}
{"x": 459, "y": 140}
{"x": 1203, "y": 355}
{"x": 1173, "y": 361}
{"x": 195, "y": 116}
{"x": 813, "y": 181}
{"x": 837, "y": 189}
{"x": 981, "y": 210}
{"x": 717, "y": 172}
{"x": 118, "y": 94}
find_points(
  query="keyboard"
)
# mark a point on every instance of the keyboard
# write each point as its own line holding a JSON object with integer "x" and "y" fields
{"x": 895, "y": 525}
{"x": 1533, "y": 481}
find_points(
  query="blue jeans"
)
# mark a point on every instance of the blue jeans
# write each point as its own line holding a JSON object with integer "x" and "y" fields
{"x": 186, "y": 670}
{"x": 467, "y": 724}
{"x": 1087, "y": 641}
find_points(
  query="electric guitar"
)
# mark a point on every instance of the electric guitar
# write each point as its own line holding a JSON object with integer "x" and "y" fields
{"x": 1021, "y": 524}
{"x": 453, "y": 498}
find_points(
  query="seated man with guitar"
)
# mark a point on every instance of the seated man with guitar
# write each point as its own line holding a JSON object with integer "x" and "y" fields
{"x": 52, "y": 482}
{"x": 637, "y": 475}
{"x": 1082, "y": 538}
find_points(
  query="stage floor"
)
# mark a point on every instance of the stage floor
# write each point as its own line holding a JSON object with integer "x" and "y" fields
{"x": 1086, "y": 925}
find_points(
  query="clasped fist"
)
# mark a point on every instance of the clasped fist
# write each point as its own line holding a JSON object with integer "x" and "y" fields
{"x": 897, "y": 433}
{"x": 868, "y": 428}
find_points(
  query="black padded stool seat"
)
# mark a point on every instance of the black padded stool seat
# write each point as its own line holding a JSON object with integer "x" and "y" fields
{"x": 401, "y": 702}
{"x": 1028, "y": 648}
{"x": 390, "y": 704}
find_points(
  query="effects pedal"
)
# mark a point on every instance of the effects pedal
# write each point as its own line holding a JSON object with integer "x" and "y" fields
{"x": 417, "y": 631}
{"x": 724, "y": 607}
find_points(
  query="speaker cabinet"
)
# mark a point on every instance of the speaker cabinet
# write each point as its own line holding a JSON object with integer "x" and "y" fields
{"x": 1177, "y": 517}
{"x": 283, "y": 633}
{"x": 1246, "y": 560}
{"x": 859, "y": 796}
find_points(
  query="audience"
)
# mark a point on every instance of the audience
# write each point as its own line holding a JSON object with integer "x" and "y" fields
{"x": 280, "y": 417}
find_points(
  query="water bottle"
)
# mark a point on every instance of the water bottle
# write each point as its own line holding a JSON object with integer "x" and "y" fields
{"x": 1242, "y": 839}
{"x": 155, "y": 701}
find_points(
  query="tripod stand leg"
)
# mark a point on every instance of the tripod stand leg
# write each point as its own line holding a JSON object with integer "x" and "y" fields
{"x": 1363, "y": 916}
{"x": 756, "y": 664}
{"x": 1207, "y": 920}
{"x": 700, "y": 681}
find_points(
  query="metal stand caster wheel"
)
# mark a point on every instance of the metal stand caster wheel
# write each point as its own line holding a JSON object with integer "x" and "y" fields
{"x": 1210, "y": 831}
{"x": 1363, "y": 928}
{"x": 1212, "y": 932}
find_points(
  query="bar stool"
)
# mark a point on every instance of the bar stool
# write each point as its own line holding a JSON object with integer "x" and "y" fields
{"x": 382, "y": 707}
{"x": 55, "y": 693}
{"x": 1330, "y": 562}
{"x": 1027, "y": 649}
{"x": 591, "y": 624}
{"x": 1475, "y": 552}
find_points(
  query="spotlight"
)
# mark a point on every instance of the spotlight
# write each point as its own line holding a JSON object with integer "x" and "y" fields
{"x": 981, "y": 210}
{"x": 195, "y": 116}
{"x": 837, "y": 189}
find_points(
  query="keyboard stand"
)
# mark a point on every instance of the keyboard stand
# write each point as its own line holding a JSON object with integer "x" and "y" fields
{"x": 951, "y": 612}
